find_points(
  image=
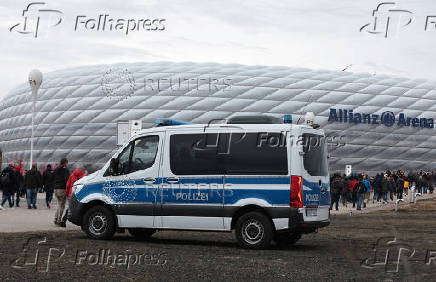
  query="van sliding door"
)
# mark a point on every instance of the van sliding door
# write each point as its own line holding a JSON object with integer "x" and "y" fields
{"x": 191, "y": 191}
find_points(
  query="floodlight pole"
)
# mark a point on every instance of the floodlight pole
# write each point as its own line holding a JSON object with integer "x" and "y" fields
{"x": 35, "y": 80}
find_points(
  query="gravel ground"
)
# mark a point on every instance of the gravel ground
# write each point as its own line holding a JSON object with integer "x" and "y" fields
{"x": 343, "y": 251}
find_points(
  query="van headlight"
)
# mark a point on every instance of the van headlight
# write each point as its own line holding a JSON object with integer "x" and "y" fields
{"x": 76, "y": 188}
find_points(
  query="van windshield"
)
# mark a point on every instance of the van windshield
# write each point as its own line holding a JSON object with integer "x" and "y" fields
{"x": 315, "y": 154}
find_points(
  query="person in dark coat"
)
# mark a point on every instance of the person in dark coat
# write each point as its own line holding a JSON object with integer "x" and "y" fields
{"x": 335, "y": 191}
{"x": 8, "y": 184}
{"x": 48, "y": 184}
{"x": 385, "y": 187}
{"x": 377, "y": 188}
{"x": 61, "y": 175}
{"x": 392, "y": 187}
{"x": 345, "y": 191}
{"x": 400, "y": 187}
{"x": 20, "y": 182}
{"x": 33, "y": 182}
{"x": 419, "y": 184}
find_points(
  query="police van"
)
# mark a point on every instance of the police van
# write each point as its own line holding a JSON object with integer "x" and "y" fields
{"x": 263, "y": 180}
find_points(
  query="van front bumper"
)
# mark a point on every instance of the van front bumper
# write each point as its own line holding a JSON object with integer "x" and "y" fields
{"x": 75, "y": 210}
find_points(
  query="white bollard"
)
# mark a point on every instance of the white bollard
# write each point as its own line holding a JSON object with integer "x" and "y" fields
{"x": 397, "y": 202}
{"x": 412, "y": 195}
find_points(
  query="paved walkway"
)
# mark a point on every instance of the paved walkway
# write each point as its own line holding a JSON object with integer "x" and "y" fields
{"x": 22, "y": 219}
{"x": 371, "y": 207}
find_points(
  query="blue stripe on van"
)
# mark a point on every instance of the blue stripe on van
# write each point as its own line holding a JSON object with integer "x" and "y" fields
{"x": 206, "y": 180}
{"x": 125, "y": 191}
{"x": 271, "y": 196}
{"x": 258, "y": 180}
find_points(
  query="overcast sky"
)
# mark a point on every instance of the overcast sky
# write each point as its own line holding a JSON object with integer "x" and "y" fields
{"x": 318, "y": 34}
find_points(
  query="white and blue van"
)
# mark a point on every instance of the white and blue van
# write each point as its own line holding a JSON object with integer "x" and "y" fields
{"x": 264, "y": 181}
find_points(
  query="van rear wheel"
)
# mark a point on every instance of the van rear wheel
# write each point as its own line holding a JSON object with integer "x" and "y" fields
{"x": 287, "y": 239}
{"x": 141, "y": 233}
{"x": 254, "y": 230}
{"x": 99, "y": 223}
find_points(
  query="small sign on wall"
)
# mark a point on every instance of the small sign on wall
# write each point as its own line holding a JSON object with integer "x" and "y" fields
{"x": 126, "y": 129}
{"x": 348, "y": 170}
{"x": 123, "y": 133}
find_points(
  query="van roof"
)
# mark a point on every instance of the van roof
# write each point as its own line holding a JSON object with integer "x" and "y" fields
{"x": 259, "y": 127}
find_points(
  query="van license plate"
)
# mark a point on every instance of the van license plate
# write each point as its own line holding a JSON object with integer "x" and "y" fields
{"x": 311, "y": 212}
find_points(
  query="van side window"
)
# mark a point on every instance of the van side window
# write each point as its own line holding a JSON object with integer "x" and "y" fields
{"x": 123, "y": 160}
{"x": 256, "y": 153}
{"x": 194, "y": 154}
{"x": 140, "y": 154}
{"x": 144, "y": 152}
{"x": 224, "y": 153}
{"x": 315, "y": 154}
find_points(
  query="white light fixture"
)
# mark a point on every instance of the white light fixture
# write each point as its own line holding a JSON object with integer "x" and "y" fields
{"x": 309, "y": 118}
{"x": 35, "y": 80}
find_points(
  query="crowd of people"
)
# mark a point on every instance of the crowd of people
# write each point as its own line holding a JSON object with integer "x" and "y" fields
{"x": 57, "y": 181}
{"x": 357, "y": 189}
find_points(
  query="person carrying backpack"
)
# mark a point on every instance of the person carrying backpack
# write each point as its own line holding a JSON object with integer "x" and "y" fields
{"x": 33, "y": 182}
{"x": 360, "y": 190}
{"x": 61, "y": 175}
{"x": 8, "y": 184}
{"x": 367, "y": 183}
{"x": 353, "y": 190}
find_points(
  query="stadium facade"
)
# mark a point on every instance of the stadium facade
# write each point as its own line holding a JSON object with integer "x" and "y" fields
{"x": 375, "y": 122}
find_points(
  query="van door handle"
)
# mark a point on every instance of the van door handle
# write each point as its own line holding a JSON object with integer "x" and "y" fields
{"x": 149, "y": 179}
{"x": 172, "y": 179}
{"x": 322, "y": 188}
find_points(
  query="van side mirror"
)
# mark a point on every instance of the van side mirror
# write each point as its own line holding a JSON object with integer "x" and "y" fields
{"x": 114, "y": 166}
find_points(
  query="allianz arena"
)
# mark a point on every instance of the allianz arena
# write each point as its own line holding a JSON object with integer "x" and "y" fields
{"x": 375, "y": 122}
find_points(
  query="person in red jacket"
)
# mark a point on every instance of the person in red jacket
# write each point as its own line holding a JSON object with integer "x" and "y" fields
{"x": 76, "y": 175}
{"x": 353, "y": 194}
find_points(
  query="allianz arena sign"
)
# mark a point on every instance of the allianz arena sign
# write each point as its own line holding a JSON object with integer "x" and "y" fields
{"x": 386, "y": 118}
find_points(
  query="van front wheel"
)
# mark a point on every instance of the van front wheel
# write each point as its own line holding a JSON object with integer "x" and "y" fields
{"x": 254, "y": 230}
{"x": 99, "y": 223}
